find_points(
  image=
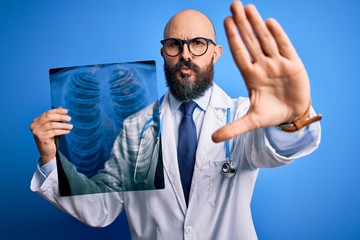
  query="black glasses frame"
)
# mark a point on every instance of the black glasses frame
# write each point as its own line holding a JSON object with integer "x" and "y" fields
{"x": 182, "y": 42}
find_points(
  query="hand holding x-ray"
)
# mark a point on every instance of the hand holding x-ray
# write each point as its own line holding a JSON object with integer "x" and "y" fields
{"x": 275, "y": 77}
{"x": 46, "y": 127}
{"x": 85, "y": 133}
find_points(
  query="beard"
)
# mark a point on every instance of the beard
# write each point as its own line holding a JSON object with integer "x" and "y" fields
{"x": 185, "y": 89}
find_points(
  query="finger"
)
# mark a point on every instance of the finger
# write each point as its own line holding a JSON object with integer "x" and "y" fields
{"x": 51, "y": 134}
{"x": 233, "y": 129}
{"x": 265, "y": 38}
{"x": 49, "y": 123}
{"x": 245, "y": 29}
{"x": 51, "y": 130}
{"x": 58, "y": 110}
{"x": 56, "y": 126}
{"x": 54, "y": 115}
{"x": 286, "y": 49}
{"x": 239, "y": 52}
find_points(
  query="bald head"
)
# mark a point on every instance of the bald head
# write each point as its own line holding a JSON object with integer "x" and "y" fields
{"x": 189, "y": 24}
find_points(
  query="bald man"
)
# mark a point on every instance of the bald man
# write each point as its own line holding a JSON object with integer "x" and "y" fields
{"x": 209, "y": 204}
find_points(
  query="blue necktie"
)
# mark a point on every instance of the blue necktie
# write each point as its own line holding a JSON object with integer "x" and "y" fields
{"x": 187, "y": 144}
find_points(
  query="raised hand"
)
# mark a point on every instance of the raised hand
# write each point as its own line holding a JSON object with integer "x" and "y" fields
{"x": 275, "y": 77}
{"x": 46, "y": 127}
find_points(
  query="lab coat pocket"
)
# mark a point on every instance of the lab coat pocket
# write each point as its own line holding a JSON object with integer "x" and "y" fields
{"x": 220, "y": 187}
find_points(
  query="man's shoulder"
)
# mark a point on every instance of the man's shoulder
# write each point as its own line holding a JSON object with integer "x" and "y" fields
{"x": 146, "y": 112}
{"x": 223, "y": 98}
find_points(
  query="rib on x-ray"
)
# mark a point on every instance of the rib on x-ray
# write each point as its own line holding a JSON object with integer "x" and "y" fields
{"x": 99, "y": 98}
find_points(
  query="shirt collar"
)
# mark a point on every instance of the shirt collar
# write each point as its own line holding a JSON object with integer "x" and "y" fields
{"x": 202, "y": 102}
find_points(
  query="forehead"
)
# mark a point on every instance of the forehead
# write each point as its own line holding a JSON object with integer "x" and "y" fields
{"x": 189, "y": 24}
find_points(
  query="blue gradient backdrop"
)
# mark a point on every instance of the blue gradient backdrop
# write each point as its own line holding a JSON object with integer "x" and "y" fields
{"x": 317, "y": 197}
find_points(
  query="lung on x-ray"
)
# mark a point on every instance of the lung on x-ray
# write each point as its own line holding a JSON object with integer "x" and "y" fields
{"x": 99, "y": 98}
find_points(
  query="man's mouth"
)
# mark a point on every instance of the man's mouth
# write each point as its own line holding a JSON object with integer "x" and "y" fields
{"x": 185, "y": 69}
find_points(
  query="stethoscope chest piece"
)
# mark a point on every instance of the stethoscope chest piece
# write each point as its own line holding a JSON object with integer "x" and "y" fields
{"x": 229, "y": 168}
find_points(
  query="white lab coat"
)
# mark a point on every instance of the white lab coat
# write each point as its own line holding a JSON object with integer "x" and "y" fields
{"x": 219, "y": 207}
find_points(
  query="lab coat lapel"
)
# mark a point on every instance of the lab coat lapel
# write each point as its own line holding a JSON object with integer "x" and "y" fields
{"x": 169, "y": 154}
{"x": 212, "y": 121}
{"x": 215, "y": 117}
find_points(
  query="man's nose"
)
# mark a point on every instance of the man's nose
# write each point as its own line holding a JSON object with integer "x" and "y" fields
{"x": 186, "y": 54}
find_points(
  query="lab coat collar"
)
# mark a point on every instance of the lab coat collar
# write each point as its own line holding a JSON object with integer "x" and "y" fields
{"x": 219, "y": 99}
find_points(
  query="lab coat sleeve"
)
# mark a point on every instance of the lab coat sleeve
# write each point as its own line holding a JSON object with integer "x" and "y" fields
{"x": 96, "y": 210}
{"x": 94, "y": 202}
{"x": 266, "y": 148}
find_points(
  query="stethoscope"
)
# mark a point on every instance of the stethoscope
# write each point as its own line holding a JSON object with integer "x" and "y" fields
{"x": 229, "y": 168}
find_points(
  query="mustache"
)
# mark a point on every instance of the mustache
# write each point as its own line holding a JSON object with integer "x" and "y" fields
{"x": 188, "y": 64}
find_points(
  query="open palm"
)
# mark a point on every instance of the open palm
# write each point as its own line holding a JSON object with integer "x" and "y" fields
{"x": 276, "y": 79}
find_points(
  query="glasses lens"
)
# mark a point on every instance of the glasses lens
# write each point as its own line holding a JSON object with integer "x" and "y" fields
{"x": 173, "y": 47}
{"x": 198, "y": 46}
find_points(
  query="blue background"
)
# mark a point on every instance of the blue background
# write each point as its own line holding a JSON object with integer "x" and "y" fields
{"x": 316, "y": 197}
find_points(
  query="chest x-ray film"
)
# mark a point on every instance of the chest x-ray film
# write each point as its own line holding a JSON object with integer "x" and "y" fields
{"x": 101, "y": 154}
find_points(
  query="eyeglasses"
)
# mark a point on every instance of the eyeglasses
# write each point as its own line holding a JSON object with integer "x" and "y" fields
{"x": 197, "y": 46}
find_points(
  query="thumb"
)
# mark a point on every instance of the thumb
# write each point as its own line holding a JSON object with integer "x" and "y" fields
{"x": 233, "y": 129}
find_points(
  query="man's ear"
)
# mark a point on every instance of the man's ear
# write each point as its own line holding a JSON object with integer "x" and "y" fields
{"x": 162, "y": 52}
{"x": 217, "y": 52}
